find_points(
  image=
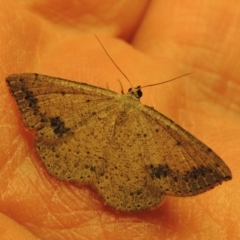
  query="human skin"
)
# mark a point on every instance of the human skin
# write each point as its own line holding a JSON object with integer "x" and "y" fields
{"x": 152, "y": 42}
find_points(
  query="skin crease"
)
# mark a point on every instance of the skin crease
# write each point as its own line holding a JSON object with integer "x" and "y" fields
{"x": 160, "y": 40}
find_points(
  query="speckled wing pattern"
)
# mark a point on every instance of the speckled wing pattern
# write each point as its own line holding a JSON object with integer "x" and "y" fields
{"x": 132, "y": 154}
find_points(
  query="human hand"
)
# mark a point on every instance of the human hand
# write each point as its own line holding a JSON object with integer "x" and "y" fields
{"x": 170, "y": 39}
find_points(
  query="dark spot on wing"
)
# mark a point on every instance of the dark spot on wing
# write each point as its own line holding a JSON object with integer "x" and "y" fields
{"x": 210, "y": 175}
{"x": 209, "y": 150}
{"x": 29, "y": 96}
{"x": 90, "y": 167}
{"x": 43, "y": 118}
{"x": 195, "y": 173}
{"x": 159, "y": 171}
{"x": 178, "y": 143}
{"x": 36, "y": 75}
{"x": 58, "y": 126}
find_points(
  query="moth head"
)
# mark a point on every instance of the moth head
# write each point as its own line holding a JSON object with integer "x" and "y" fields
{"x": 136, "y": 92}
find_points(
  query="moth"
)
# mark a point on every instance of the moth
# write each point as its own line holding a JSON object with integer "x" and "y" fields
{"x": 130, "y": 153}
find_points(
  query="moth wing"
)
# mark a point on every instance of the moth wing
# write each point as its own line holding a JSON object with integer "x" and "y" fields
{"x": 41, "y": 98}
{"x": 125, "y": 183}
{"x": 177, "y": 162}
{"x": 70, "y": 123}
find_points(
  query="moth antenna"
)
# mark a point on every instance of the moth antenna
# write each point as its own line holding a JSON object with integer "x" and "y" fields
{"x": 150, "y": 85}
{"x": 113, "y": 61}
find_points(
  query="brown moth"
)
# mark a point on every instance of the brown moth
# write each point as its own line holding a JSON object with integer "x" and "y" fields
{"x": 130, "y": 153}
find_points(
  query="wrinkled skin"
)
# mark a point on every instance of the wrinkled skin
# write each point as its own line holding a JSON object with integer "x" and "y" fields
{"x": 159, "y": 40}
